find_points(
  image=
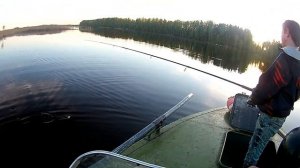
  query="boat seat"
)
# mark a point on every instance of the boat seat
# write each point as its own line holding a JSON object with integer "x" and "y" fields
{"x": 235, "y": 148}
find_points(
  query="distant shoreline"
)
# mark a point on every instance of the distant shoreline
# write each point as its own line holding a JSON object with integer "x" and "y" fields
{"x": 35, "y": 30}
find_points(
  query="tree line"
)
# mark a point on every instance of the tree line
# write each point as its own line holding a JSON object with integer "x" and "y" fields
{"x": 204, "y": 39}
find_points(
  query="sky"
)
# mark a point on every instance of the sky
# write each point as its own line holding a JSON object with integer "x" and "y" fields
{"x": 263, "y": 18}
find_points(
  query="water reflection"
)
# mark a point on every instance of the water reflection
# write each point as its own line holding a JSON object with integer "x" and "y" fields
{"x": 225, "y": 56}
{"x": 2, "y": 42}
{"x": 21, "y": 98}
{"x": 30, "y": 112}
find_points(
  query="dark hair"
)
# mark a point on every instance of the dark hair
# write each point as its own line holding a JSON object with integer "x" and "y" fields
{"x": 294, "y": 30}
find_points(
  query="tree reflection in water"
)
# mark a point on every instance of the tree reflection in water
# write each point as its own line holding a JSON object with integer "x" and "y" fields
{"x": 225, "y": 56}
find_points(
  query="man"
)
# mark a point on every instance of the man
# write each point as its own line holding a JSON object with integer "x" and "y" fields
{"x": 277, "y": 90}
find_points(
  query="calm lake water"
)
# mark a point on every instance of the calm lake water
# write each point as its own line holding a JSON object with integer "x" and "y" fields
{"x": 65, "y": 94}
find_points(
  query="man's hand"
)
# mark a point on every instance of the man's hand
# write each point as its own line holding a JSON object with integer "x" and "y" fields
{"x": 250, "y": 102}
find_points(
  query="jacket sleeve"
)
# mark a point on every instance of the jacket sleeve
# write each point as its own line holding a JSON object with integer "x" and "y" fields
{"x": 271, "y": 81}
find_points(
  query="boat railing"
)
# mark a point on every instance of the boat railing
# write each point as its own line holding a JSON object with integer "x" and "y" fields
{"x": 101, "y": 158}
{"x": 281, "y": 133}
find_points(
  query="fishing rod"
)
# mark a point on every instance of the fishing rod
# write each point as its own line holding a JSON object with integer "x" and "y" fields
{"x": 152, "y": 126}
{"x": 187, "y": 66}
{"x": 281, "y": 132}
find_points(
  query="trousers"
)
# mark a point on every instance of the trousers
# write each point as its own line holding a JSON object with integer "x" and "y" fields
{"x": 266, "y": 127}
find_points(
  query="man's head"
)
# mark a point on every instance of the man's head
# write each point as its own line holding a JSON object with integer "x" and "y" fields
{"x": 290, "y": 35}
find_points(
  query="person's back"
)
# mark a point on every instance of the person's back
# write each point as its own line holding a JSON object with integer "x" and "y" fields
{"x": 277, "y": 98}
{"x": 294, "y": 85}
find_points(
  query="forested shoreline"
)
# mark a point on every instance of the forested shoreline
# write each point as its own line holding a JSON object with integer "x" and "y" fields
{"x": 233, "y": 44}
{"x": 42, "y": 29}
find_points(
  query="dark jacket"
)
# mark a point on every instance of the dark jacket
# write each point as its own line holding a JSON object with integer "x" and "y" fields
{"x": 279, "y": 87}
